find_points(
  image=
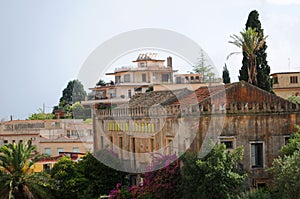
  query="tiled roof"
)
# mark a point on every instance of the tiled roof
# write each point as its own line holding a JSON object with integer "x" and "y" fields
{"x": 230, "y": 93}
{"x": 156, "y": 98}
{"x": 202, "y": 93}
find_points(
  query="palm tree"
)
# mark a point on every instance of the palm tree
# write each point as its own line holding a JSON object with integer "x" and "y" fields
{"x": 17, "y": 177}
{"x": 250, "y": 42}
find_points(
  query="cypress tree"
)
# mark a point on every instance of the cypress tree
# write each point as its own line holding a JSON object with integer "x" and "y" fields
{"x": 225, "y": 76}
{"x": 263, "y": 69}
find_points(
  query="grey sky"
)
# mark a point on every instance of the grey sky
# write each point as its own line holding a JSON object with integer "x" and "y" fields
{"x": 44, "y": 43}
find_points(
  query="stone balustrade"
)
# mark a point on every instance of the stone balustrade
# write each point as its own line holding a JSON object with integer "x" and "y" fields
{"x": 205, "y": 108}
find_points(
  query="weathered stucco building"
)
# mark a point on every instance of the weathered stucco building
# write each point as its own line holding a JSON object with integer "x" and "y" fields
{"x": 237, "y": 114}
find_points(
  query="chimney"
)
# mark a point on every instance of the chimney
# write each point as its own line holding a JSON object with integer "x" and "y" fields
{"x": 169, "y": 62}
{"x": 11, "y": 118}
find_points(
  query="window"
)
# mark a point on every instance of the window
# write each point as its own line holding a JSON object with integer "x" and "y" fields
{"x": 164, "y": 77}
{"x": 139, "y": 89}
{"x": 129, "y": 93}
{"x": 76, "y": 149}
{"x": 133, "y": 145}
{"x": 275, "y": 80}
{"x": 197, "y": 78}
{"x": 286, "y": 139}
{"x": 47, "y": 151}
{"x": 192, "y": 77}
{"x": 170, "y": 146}
{"x": 228, "y": 143}
{"x": 144, "y": 78}
{"x": 117, "y": 79}
{"x": 120, "y": 142}
{"x": 46, "y": 167}
{"x": 142, "y": 64}
{"x": 127, "y": 78}
{"x": 261, "y": 185}
{"x": 102, "y": 142}
{"x": 60, "y": 150}
{"x": 5, "y": 141}
{"x": 293, "y": 79}
{"x": 178, "y": 80}
{"x": 152, "y": 147}
{"x": 257, "y": 155}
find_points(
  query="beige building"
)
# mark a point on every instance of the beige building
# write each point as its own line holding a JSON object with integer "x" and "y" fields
{"x": 286, "y": 84}
{"x": 134, "y": 79}
{"x": 50, "y": 136}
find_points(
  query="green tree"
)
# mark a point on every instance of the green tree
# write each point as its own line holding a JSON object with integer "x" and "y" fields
{"x": 41, "y": 115}
{"x": 192, "y": 175}
{"x": 286, "y": 169}
{"x": 101, "y": 83}
{"x": 203, "y": 68}
{"x": 215, "y": 176}
{"x": 18, "y": 179}
{"x": 292, "y": 145}
{"x": 287, "y": 176}
{"x": 256, "y": 194}
{"x": 250, "y": 42}
{"x": 74, "y": 92}
{"x": 263, "y": 69}
{"x": 225, "y": 76}
{"x": 101, "y": 179}
{"x": 294, "y": 99}
{"x": 68, "y": 181}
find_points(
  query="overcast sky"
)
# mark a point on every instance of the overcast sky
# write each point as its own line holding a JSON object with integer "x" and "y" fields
{"x": 43, "y": 44}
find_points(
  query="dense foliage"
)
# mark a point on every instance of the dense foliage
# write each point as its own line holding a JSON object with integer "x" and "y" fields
{"x": 70, "y": 102}
{"x": 250, "y": 42}
{"x": 89, "y": 178}
{"x": 294, "y": 99}
{"x": 286, "y": 169}
{"x": 74, "y": 92}
{"x": 41, "y": 115}
{"x": 167, "y": 177}
{"x": 219, "y": 168}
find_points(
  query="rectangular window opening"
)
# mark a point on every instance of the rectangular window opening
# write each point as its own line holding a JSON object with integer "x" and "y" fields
{"x": 228, "y": 143}
{"x": 144, "y": 78}
{"x": 293, "y": 79}
{"x": 257, "y": 155}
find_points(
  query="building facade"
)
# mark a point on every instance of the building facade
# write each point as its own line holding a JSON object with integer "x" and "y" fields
{"x": 50, "y": 136}
{"x": 135, "y": 79}
{"x": 286, "y": 84}
{"x": 237, "y": 114}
